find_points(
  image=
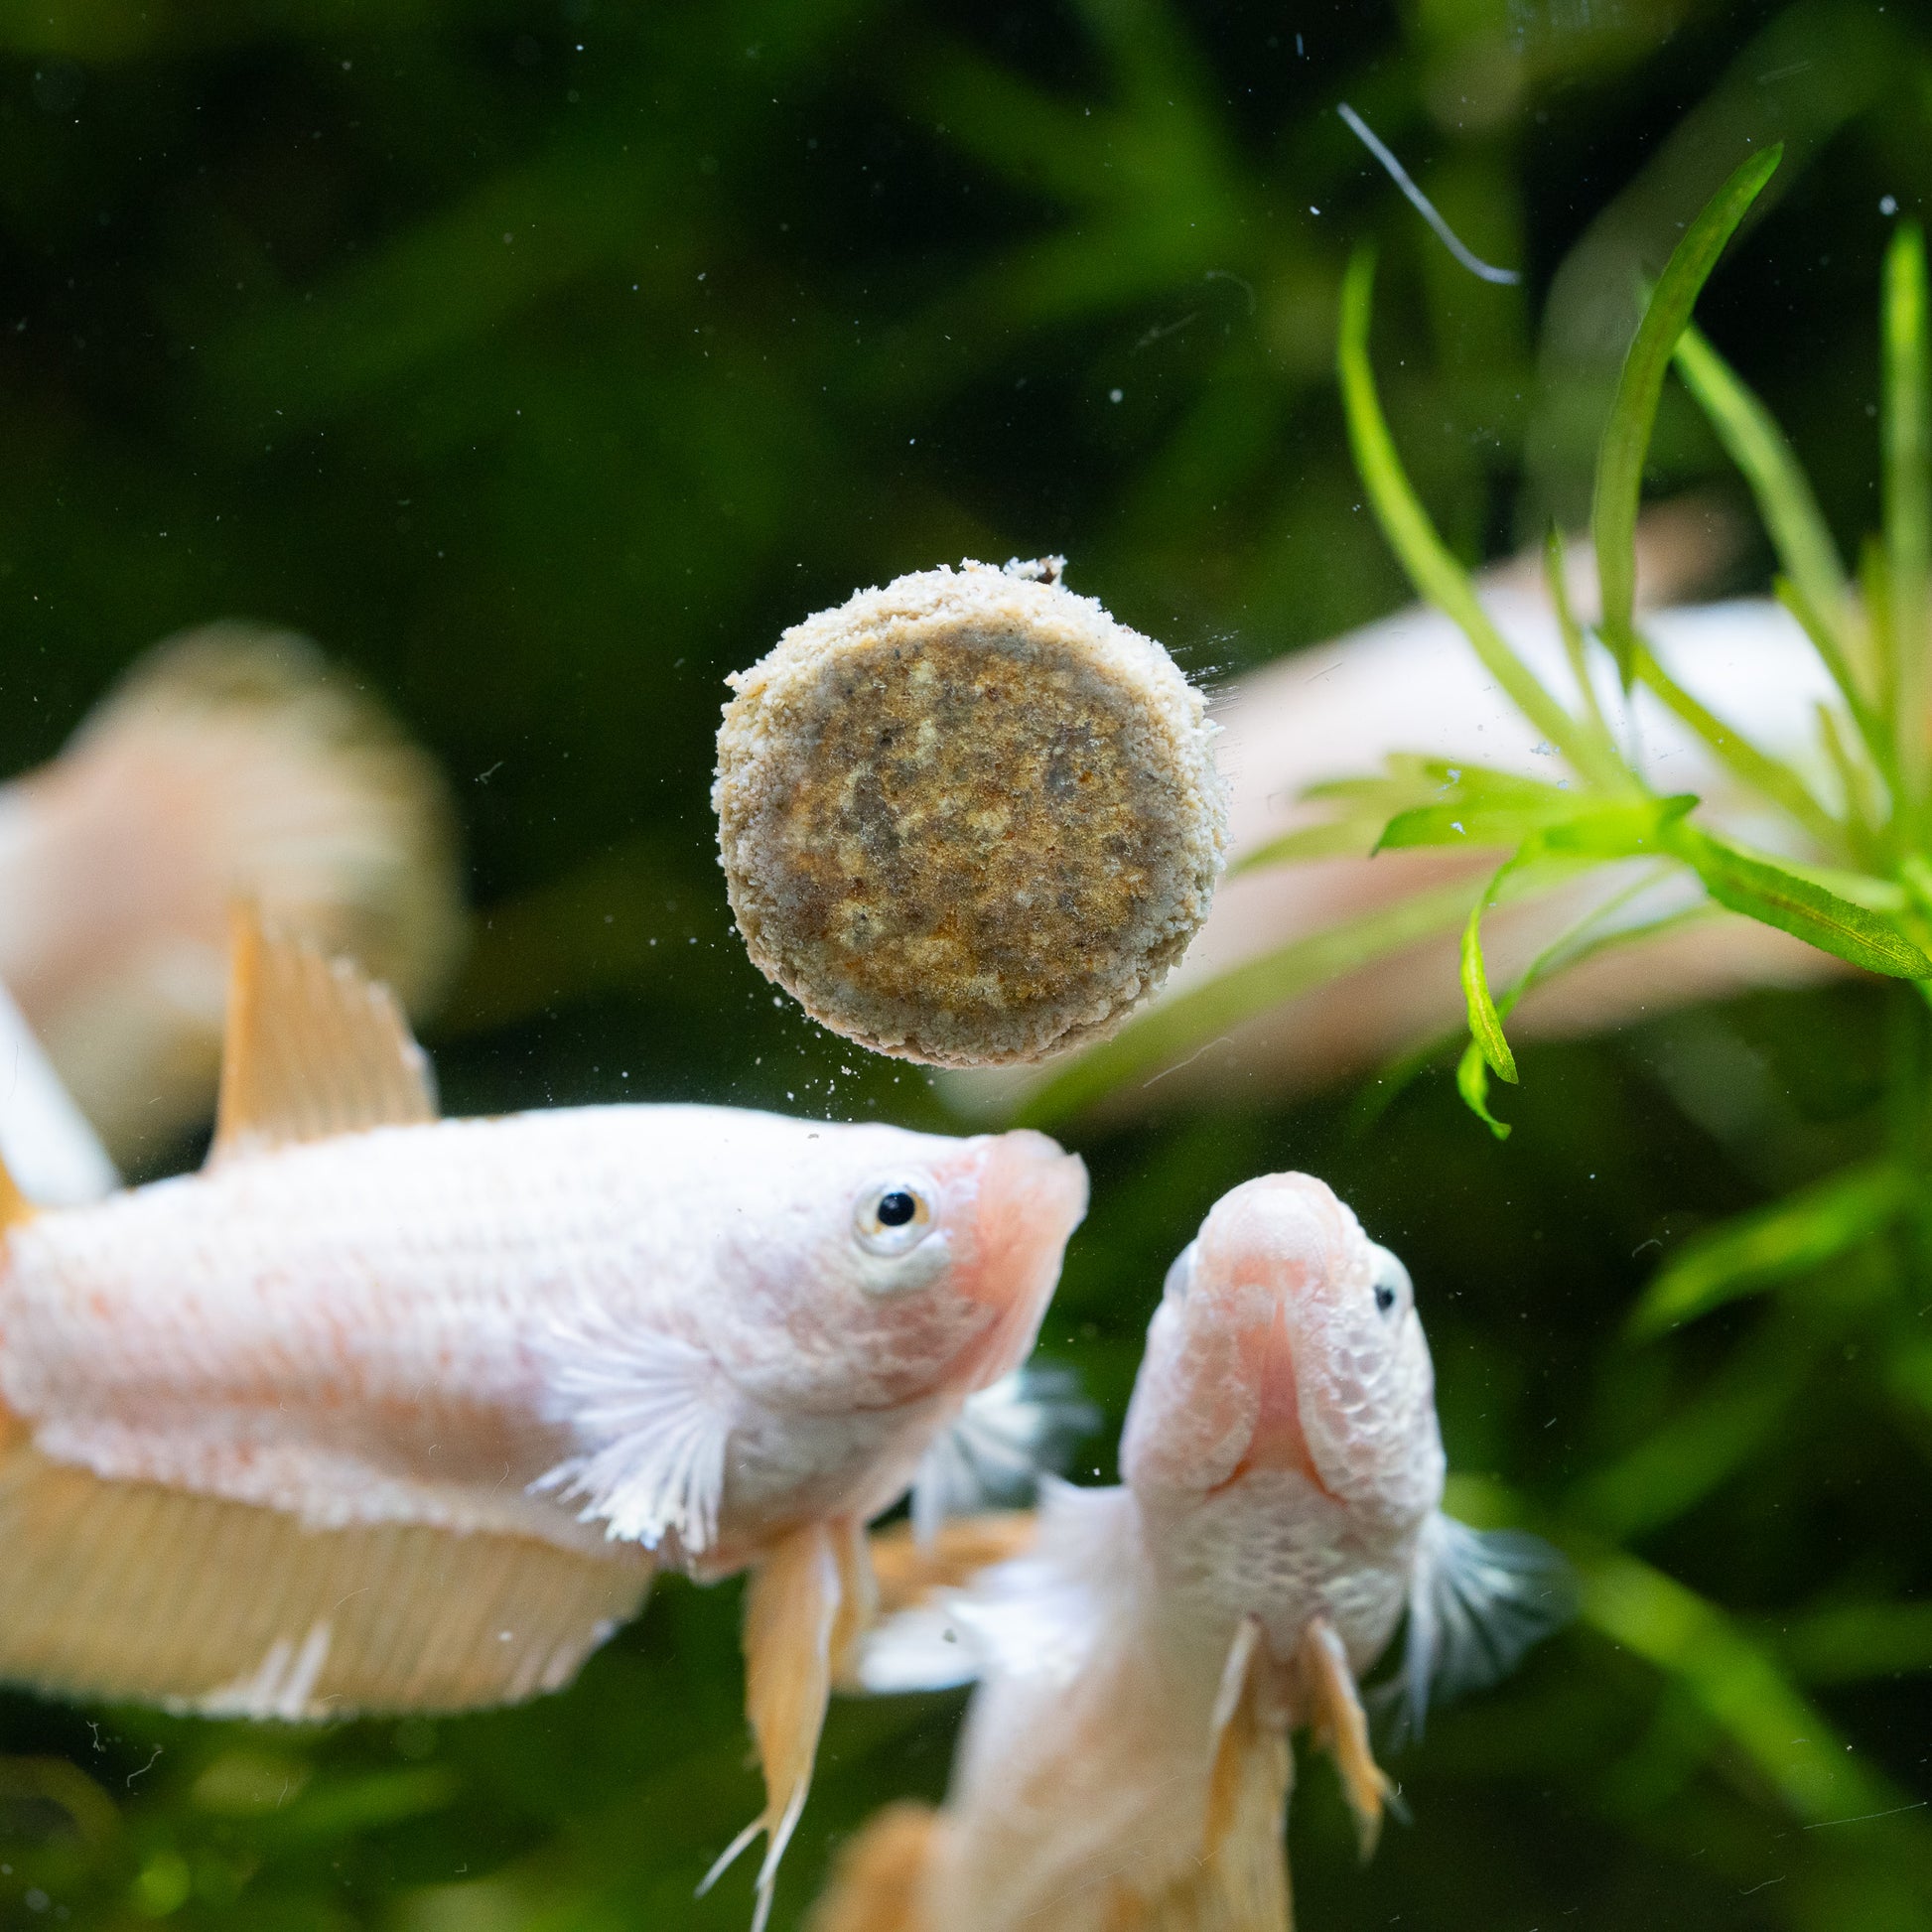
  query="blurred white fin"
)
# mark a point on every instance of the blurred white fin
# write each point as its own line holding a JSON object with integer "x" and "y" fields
{"x": 1039, "y": 1600}
{"x": 917, "y": 1644}
{"x": 231, "y": 761}
{"x": 1479, "y": 1599}
{"x": 314, "y": 1048}
{"x": 1005, "y": 1438}
{"x": 54, "y": 1159}
{"x": 136, "y": 1590}
{"x": 656, "y": 1406}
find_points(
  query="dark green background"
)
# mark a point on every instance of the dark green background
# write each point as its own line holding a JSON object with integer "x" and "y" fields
{"x": 545, "y": 360}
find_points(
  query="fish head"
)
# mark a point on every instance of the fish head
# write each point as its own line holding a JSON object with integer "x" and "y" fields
{"x": 929, "y": 1262}
{"x": 1287, "y": 1341}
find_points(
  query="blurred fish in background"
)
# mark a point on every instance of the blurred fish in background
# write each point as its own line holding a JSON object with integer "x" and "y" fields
{"x": 1409, "y": 684}
{"x": 231, "y": 764}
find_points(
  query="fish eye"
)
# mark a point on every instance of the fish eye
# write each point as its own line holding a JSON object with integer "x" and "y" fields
{"x": 1390, "y": 1281}
{"x": 1179, "y": 1275}
{"x": 892, "y": 1218}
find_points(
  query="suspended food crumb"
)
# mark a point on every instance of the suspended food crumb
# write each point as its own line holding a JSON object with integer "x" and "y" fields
{"x": 968, "y": 819}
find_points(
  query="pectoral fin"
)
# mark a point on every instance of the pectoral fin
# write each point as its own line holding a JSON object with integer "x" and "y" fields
{"x": 793, "y": 1616}
{"x": 1333, "y": 1707}
{"x": 660, "y": 1417}
{"x": 313, "y": 1048}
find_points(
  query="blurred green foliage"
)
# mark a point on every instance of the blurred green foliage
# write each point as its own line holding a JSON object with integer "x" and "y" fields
{"x": 545, "y": 360}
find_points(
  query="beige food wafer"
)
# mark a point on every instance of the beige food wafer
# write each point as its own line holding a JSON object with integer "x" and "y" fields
{"x": 968, "y": 819}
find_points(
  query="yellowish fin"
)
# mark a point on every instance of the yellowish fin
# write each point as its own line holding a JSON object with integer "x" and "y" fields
{"x": 313, "y": 1048}
{"x": 1335, "y": 1715}
{"x": 909, "y": 1569}
{"x": 131, "y": 1590}
{"x": 799, "y": 1617}
{"x": 1242, "y": 1883}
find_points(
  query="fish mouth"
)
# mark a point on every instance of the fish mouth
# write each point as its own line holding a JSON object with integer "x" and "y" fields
{"x": 1271, "y": 1243}
{"x": 1032, "y": 1195}
{"x": 1279, "y": 1441}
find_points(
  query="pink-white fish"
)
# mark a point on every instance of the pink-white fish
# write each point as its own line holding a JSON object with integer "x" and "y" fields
{"x": 230, "y": 762}
{"x": 1125, "y": 1761}
{"x": 381, "y": 1411}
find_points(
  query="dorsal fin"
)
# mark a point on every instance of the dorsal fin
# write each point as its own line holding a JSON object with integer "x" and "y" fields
{"x": 314, "y": 1048}
{"x": 15, "y": 1207}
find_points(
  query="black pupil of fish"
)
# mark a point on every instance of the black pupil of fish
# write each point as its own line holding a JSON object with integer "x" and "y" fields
{"x": 1384, "y": 1297}
{"x": 897, "y": 1208}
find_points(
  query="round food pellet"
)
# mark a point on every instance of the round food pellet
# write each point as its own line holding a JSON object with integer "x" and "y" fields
{"x": 968, "y": 819}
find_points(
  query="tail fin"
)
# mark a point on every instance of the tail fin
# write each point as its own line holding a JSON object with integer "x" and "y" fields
{"x": 231, "y": 762}
{"x": 875, "y": 1885}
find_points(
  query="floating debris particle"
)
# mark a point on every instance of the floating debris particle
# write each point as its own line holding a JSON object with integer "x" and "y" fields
{"x": 968, "y": 819}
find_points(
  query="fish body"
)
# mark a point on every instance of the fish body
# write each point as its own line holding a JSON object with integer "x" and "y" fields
{"x": 384, "y": 1412}
{"x": 428, "y": 1323}
{"x": 1124, "y": 1760}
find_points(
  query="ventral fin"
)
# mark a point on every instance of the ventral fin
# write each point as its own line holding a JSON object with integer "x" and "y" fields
{"x": 792, "y": 1630}
{"x": 1241, "y": 1880}
{"x": 314, "y": 1048}
{"x": 1333, "y": 1707}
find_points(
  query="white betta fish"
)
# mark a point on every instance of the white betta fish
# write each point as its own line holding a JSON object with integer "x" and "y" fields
{"x": 380, "y": 1411}
{"x": 1126, "y": 1759}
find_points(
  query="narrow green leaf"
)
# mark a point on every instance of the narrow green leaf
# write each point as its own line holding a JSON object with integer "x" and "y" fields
{"x": 1771, "y": 778}
{"x": 1556, "y": 584}
{"x": 1908, "y": 513}
{"x": 1366, "y": 808}
{"x": 1472, "y": 1084}
{"x": 1627, "y": 437}
{"x": 1840, "y": 655}
{"x": 1569, "y": 823}
{"x": 1167, "y": 1032}
{"x": 1459, "y": 824}
{"x": 1758, "y": 1250}
{"x": 1732, "y": 1679}
{"x": 1851, "y": 1643}
{"x": 1735, "y": 1683}
{"x": 1485, "y": 1028}
{"x": 1754, "y": 442}
{"x": 1772, "y": 893}
{"x": 1348, "y": 837}
{"x": 1613, "y": 831}
{"x": 1432, "y": 569}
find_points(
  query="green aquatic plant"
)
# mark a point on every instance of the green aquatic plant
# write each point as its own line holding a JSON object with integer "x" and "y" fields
{"x": 1850, "y": 1248}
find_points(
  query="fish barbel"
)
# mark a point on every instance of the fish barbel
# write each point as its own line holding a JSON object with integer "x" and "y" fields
{"x": 380, "y": 1411}
{"x": 1126, "y": 1757}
